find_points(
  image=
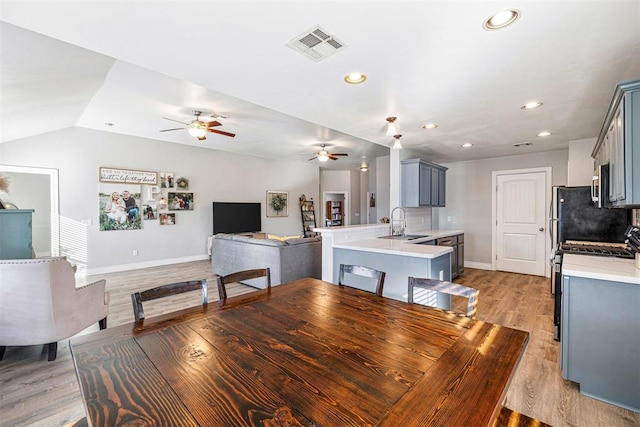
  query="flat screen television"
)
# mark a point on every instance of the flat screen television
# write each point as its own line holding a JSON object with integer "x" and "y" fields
{"x": 236, "y": 217}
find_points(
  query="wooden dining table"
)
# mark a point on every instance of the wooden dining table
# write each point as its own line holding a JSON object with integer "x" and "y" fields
{"x": 305, "y": 353}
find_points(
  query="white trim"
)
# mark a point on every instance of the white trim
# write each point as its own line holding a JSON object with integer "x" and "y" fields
{"x": 139, "y": 265}
{"x": 494, "y": 190}
{"x": 478, "y": 265}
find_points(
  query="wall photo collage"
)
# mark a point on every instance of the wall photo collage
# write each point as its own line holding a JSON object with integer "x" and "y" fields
{"x": 130, "y": 198}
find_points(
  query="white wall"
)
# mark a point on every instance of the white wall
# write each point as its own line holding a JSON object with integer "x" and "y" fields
{"x": 469, "y": 196}
{"x": 580, "y": 169}
{"x": 213, "y": 175}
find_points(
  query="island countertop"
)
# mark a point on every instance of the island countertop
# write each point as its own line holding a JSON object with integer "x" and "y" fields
{"x": 396, "y": 247}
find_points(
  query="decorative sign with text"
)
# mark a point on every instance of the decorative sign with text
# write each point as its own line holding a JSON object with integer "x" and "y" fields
{"x": 128, "y": 176}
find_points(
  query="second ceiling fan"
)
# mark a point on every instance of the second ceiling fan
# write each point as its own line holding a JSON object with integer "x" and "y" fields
{"x": 323, "y": 155}
{"x": 199, "y": 128}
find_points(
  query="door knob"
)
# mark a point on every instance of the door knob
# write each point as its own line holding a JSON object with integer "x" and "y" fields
{"x": 540, "y": 229}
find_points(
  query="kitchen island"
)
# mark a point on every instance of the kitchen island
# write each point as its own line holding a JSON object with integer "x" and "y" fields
{"x": 352, "y": 233}
{"x": 600, "y": 321}
{"x": 399, "y": 259}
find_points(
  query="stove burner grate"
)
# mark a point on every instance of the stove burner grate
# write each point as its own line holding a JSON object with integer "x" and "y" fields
{"x": 590, "y": 249}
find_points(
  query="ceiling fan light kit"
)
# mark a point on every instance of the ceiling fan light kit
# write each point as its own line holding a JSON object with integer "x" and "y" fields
{"x": 198, "y": 128}
{"x": 323, "y": 155}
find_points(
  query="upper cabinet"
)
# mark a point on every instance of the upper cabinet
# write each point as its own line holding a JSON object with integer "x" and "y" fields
{"x": 423, "y": 183}
{"x": 618, "y": 145}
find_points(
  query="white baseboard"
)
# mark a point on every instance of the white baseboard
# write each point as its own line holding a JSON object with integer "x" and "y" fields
{"x": 478, "y": 265}
{"x": 138, "y": 265}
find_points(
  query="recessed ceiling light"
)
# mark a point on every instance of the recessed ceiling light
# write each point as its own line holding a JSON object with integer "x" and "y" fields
{"x": 531, "y": 105}
{"x": 467, "y": 145}
{"x": 355, "y": 78}
{"x": 501, "y": 19}
{"x": 430, "y": 126}
{"x": 544, "y": 133}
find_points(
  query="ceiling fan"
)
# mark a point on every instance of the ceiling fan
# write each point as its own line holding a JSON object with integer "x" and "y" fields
{"x": 323, "y": 155}
{"x": 199, "y": 128}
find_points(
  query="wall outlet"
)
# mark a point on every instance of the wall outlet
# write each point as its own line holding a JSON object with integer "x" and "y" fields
{"x": 135, "y": 252}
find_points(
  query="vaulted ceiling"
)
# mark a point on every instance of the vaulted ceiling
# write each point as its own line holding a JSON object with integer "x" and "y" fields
{"x": 132, "y": 63}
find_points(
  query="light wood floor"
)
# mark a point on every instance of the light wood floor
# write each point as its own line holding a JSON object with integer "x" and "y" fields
{"x": 34, "y": 392}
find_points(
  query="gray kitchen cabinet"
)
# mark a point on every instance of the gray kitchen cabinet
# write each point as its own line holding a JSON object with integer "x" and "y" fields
{"x": 423, "y": 183}
{"x": 600, "y": 344}
{"x": 619, "y": 145}
{"x": 16, "y": 234}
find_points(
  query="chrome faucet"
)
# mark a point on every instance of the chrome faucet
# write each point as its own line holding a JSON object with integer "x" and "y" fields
{"x": 398, "y": 225}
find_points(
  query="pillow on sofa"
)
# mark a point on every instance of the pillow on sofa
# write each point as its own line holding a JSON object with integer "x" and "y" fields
{"x": 302, "y": 240}
{"x": 283, "y": 238}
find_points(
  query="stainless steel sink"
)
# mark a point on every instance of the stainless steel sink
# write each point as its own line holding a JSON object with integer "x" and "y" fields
{"x": 405, "y": 237}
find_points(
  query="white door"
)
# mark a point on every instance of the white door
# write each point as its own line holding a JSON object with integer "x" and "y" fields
{"x": 520, "y": 225}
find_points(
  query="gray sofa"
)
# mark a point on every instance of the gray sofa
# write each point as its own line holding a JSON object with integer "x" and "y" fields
{"x": 288, "y": 260}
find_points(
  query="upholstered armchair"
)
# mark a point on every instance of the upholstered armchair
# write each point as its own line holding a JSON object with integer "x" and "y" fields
{"x": 40, "y": 304}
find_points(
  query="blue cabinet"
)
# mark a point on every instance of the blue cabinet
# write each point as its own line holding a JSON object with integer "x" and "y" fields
{"x": 423, "y": 183}
{"x": 600, "y": 344}
{"x": 16, "y": 233}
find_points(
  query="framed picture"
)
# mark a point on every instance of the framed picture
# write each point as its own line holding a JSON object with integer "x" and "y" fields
{"x": 166, "y": 180}
{"x": 119, "y": 207}
{"x": 180, "y": 201}
{"x": 277, "y": 203}
{"x": 167, "y": 219}
{"x": 149, "y": 211}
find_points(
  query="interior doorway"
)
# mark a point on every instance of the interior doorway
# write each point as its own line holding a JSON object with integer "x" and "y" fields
{"x": 37, "y": 188}
{"x": 335, "y": 208}
{"x": 519, "y": 221}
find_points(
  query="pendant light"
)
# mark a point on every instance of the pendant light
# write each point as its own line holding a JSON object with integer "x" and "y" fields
{"x": 397, "y": 145}
{"x": 391, "y": 126}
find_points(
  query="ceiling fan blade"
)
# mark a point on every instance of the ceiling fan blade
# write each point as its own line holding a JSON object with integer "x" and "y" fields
{"x": 221, "y": 132}
{"x": 213, "y": 123}
{"x": 313, "y": 158}
{"x": 201, "y": 138}
{"x": 339, "y": 154}
{"x": 332, "y": 158}
{"x": 167, "y": 130}
{"x": 166, "y": 118}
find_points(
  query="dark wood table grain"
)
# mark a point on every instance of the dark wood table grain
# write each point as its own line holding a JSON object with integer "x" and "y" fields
{"x": 305, "y": 353}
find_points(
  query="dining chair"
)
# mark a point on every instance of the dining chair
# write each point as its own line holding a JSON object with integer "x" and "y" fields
{"x": 138, "y": 298}
{"x": 239, "y": 276}
{"x": 443, "y": 287}
{"x": 365, "y": 272}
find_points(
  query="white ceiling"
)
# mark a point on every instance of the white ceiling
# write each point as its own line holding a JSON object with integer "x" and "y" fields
{"x": 133, "y": 63}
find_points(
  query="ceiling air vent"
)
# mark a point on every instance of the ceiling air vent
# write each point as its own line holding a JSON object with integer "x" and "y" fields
{"x": 316, "y": 44}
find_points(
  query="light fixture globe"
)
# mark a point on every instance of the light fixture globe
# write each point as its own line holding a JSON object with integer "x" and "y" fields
{"x": 197, "y": 129}
{"x": 391, "y": 126}
{"x": 323, "y": 156}
{"x": 397, "y": 145}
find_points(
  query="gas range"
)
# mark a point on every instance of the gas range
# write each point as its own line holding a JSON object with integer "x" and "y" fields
{"x": 618, "y": 250}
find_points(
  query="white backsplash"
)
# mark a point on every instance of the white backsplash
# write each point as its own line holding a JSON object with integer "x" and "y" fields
{"x": 418, "y": 219}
